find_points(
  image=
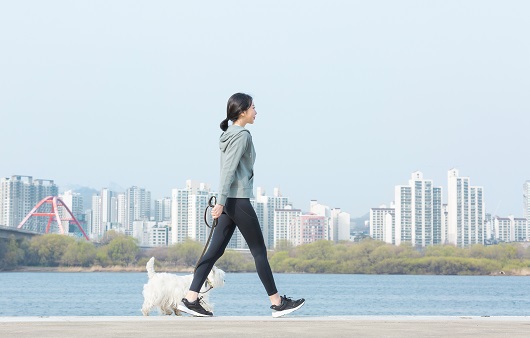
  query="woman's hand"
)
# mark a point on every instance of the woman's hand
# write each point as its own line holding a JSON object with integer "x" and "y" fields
{"x": 217, "y": 211}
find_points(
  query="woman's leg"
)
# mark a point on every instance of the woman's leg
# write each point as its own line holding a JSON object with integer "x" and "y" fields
{"x": 220, "y": 238}
{"x": 247, "y": 222}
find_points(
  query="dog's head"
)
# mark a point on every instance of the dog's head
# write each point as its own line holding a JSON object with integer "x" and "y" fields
{"x": 216, "y": 278}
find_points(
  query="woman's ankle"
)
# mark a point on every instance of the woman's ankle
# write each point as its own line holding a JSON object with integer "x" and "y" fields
{"x": 191, "y": 296}
{"x": 275, "y": 299}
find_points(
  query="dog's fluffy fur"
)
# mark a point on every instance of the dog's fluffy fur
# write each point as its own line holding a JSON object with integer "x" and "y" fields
{"x": 166, "y": 290}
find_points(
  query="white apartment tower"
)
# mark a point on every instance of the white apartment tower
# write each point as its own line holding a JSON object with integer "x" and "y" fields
{"x": 197, "y": 203}
{"x": 163, "y": 209}
{"x": 187, "y": 212}
{"x": 122, "y": 209}
{"x": 74, "y": 202}
{"x": 284, "y": 221}
{"x": 418, "y": 212}
{"x": 511, "y": 229}
{"x": 339, "y": 227}
{"x": 96, "y": 229}
{"x": 265, "y": 207}
{"x": 106, "y": 206}
{"x": 504, "y": 231}
{"x": 179, "y": 214}
{"x": 138, "y": 205}
{"x": 465, "y": 211}
{"x": 382, "y": 224}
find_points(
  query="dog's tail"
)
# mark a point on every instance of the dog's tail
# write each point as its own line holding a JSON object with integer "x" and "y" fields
{"x": 150, "y": 266}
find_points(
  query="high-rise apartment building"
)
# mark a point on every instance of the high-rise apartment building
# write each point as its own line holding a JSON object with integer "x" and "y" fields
{"x": 418, "y": 212}
{"x": 465, "y": 211}
{"x": 265, "y": 207}
{"x": 96, "y": 228}
{"x": 163, "y": 209}
{"x": 121, "y": 201}
{"x": 504, "y": 231}
{"x": 382, "y": 224}
{"x": 444, "y": 224}
{"x": 511, "y": 229}
{"x": 197, "y": 203}
{"x": 284, "y": 221}
{"x": 106, "y": 207}
{"x": 325, "y": 211}
{"x": 521, "y": 229}
{"x": 19, "y": 194}
{"x": 339, "y": 226}
{"x": 187, "y": 212}
{"x": 138, "y": 205}
{"x": 104, "y": 213}
{"x": 179, "y": 213}
{"x": 74, "y": 202}
{"x": 309, "y": 229}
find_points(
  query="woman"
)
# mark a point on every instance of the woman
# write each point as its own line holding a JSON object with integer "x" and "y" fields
{"x": 234, "y": 209}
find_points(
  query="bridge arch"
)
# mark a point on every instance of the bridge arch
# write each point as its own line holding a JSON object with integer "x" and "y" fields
{"x": 53, "y": 215}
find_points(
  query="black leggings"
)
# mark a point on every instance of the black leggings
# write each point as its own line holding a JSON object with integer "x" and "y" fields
{"x": 237, "y": 211}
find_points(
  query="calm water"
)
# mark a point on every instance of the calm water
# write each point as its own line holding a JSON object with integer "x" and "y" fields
{"x": 120, "y": 294}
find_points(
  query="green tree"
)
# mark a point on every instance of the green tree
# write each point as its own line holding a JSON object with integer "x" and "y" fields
{"x": 48, "y": 250}
{"x": 284, "y": 245}
{"x": 109, "y": 236}
{"x": 10, "y": 253}
{"x": 186, "y": 253}
{"x": 80, "y": 253}
{"x": 317, "y": 250}
{"x": 122, "y": 250}
{"x": 234, "y": 261}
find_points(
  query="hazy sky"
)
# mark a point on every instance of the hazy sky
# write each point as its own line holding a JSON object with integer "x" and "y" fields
{"x": 352, "y": 96}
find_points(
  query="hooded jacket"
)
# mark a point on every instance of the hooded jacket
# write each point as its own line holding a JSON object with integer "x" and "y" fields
{"x": 237, "y": 164}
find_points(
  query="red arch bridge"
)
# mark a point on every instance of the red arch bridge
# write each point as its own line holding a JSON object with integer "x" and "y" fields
{"x": 59, "y": 217}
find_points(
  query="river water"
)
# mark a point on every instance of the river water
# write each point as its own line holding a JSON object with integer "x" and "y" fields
{"x": 120, "y": 294}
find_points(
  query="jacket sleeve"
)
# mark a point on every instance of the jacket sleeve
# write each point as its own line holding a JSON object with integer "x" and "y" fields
{"x": 233, "y": 153}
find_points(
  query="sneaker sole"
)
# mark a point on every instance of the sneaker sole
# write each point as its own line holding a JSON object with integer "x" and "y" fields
{"x": 277, "y": 314}
{"x": 191, "y": 312}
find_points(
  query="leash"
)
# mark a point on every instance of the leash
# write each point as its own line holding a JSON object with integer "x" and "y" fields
{"x": 211, "y": 203}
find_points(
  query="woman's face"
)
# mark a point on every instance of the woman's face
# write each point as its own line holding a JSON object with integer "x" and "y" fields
{"x": 249, "y": 115}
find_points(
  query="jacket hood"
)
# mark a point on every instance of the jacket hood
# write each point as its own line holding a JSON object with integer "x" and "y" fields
{"x": 229, "y": 135}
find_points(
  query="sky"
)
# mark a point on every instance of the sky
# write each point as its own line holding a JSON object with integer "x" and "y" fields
{"x": 352, "y": 96}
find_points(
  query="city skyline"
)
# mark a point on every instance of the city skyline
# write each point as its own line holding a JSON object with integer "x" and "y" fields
{"x": 417, "y": 215}
{"x": 305, "y": 205}
{"x": 351, "y": 96}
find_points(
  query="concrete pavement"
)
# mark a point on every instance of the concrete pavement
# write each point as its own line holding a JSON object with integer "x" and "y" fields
{"x": 351, "y": 326}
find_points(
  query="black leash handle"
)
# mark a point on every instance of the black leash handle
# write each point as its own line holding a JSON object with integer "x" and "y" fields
{"x": 211, "y": 203}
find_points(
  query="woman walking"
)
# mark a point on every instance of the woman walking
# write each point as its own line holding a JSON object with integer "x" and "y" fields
{"x": 234, "y": 209}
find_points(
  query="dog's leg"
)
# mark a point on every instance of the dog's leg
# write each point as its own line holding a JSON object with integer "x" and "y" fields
{"x": 146, "y": 309}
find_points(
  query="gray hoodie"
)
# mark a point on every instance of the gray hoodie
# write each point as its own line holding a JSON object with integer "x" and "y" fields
{"x": 237, "y": 164}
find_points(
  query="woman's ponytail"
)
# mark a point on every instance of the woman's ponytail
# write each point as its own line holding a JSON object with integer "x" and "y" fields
{"x": 224, "y": 124}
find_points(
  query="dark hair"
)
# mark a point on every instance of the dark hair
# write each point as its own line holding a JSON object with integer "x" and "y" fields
{"x": 237, "y": 104}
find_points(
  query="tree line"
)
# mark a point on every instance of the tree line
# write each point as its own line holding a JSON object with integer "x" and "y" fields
{"x": 365, "y": 257}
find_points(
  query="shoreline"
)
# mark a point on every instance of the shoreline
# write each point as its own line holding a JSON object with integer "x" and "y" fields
{"x": 97, "y": 268}
{"x": 94, "y": 269}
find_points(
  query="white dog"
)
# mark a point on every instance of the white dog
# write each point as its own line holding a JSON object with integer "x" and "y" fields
{"x": 166, "y": 290}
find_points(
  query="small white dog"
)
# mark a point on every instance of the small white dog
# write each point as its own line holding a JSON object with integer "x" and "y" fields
{"x": 166, "y": 290}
